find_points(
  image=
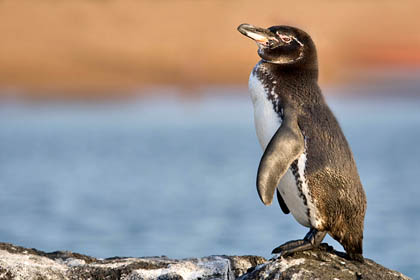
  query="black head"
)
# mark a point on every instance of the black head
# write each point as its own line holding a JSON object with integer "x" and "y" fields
{"x": 283, "y": 45}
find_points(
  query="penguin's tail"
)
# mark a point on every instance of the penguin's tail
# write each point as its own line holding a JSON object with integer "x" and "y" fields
{"x": 352, "y": 241}
{"x": 354, "y": 247}
{"x": 356, "y": 257}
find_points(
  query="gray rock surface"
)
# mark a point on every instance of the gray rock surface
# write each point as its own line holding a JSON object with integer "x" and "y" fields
{"x": 325, "y": 263}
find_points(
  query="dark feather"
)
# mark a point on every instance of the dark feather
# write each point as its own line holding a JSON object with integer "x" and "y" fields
{"x": 282, "y": 204}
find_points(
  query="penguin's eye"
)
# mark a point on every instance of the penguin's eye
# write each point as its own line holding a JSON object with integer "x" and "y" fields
{"x": 285, "y": 38}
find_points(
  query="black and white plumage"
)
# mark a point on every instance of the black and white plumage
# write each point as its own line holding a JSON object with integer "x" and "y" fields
{"x": 306, "y": 159}
{"x": 268, "y": 117}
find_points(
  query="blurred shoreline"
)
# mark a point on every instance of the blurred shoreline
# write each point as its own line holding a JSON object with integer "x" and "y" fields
{"x": 391, "y": 90}
{"x": 402, "y": 83}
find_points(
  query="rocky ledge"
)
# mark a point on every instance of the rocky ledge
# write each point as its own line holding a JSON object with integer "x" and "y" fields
{"x": 324, "y": 263}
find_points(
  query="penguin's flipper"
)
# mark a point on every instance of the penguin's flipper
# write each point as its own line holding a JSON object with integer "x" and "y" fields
{"x": 283, "y": 205}
{"x": 284, "y": 148}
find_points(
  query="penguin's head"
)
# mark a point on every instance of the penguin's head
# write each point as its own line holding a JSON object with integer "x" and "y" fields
{"x": 282, "y": 44}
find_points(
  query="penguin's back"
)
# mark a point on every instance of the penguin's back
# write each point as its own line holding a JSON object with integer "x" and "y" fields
{"x": 331, "y": 174}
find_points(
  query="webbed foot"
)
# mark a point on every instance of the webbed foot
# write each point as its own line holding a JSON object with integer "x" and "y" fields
{"x": 311, "y": 240}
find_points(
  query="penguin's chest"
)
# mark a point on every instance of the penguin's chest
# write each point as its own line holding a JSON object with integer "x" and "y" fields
{"x": 266, "y": 119}
{"x": 292, "y": 187}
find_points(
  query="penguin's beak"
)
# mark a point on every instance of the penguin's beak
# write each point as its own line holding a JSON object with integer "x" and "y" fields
{"x": 261, "y": 36}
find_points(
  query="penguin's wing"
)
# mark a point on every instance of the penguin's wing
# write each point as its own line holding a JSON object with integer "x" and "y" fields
{"x": 285, "y": 146}
{"x": 283, "y": 205}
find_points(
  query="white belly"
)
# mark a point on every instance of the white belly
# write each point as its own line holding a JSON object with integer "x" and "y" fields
{"x": 288, "y": 189}
{"x": 266, "y": 124}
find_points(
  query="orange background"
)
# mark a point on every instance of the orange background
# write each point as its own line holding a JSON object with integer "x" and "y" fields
{"x": 57, "y": 48}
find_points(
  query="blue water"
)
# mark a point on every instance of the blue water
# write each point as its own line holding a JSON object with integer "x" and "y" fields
{"x": 175, "y": 177}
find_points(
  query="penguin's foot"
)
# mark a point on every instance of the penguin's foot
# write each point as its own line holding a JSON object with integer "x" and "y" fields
{"x": 312, "y": 240}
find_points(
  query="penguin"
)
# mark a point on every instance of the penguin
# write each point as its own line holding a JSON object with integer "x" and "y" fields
{"x": 307, "y": 160}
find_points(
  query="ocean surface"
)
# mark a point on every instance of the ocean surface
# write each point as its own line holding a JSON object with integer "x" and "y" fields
{"x": 175, "y": 177}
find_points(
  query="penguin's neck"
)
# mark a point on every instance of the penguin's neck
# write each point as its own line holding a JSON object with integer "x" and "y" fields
{"x": 287, "y": 82}
{"x": 290, "y": 72}
{"x": 269, "y": 85}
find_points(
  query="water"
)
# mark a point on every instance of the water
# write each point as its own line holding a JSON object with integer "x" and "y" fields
{"x": 176, "y": 178}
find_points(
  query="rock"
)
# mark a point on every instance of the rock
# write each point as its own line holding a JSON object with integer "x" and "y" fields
{"x": 324, "y": 263}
